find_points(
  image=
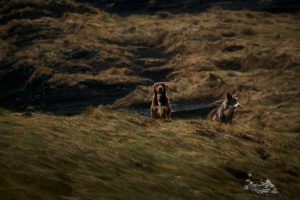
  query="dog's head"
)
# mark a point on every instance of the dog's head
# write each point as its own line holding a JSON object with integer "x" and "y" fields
{"x": 160, "y": 88}
{"x": 232, "y": 101}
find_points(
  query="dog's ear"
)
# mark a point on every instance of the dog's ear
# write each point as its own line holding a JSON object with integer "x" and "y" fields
{"x": 153, "y": 87}
{"x": 166, "y": 86}
{"x": 229, "y": 96}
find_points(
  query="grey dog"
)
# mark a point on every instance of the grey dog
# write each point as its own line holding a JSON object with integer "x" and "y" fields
{"x": 225, "y": 112}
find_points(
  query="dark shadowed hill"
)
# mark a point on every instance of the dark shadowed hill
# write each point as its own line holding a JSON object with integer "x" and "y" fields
{"x": 197, "y": 5}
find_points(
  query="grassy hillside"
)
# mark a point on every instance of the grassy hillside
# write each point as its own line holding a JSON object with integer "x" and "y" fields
{"x": 83, "y": 71}
{"x": 67, "y": 55}
{"x": 107, "y": 154}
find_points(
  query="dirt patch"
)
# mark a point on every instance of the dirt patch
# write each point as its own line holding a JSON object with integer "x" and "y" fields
{"x": 211, "y": 37}
{"x": 249, "y": 32}
{"x": 237, "y": 173}
{"x": 24, "y": 33}
{"x": 263, "y": 154}
{"x": 233, "y": 48}
{"x": 229, "y": 34}
{"x": 150, "y": 62}
{"x": 156, "y": 74}
{"x": 32, "y": 10}
{"x": 230, "y": 64}
{"x": 81, "y": 53}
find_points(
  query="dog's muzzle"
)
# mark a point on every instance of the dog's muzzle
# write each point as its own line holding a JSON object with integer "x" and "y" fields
{"x": 160, "y": 90}
{"x": 237, "y": 105}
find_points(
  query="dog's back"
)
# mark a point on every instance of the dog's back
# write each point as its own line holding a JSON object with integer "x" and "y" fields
{"x": 213, "y": 112}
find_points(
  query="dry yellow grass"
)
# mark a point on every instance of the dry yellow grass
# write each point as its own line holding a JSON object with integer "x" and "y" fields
{"x": 250, "y": 57}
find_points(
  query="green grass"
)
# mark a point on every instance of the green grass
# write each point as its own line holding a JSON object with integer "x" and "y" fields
{"x": 109, "y": 154}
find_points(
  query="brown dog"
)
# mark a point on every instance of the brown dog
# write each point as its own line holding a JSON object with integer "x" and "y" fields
{"x": 160, "y": 107}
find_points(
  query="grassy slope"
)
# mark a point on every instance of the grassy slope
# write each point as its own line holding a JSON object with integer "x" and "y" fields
{"x": 107, "y": 154}
{"x": 264, "y": 73}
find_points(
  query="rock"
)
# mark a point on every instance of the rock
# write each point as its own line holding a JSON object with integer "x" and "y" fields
{"x": 260, "y": 185}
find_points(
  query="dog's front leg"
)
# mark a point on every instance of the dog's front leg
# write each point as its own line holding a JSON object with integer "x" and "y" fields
{"x": 168, "y": 114}
{"x": 152, "y": 115}
{"x": 154, "y": 112}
